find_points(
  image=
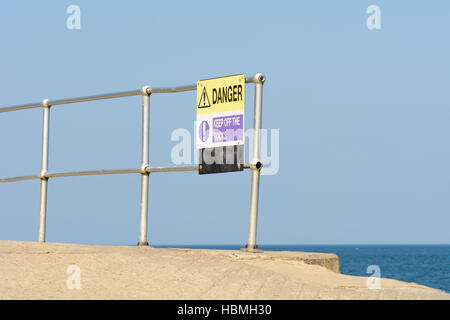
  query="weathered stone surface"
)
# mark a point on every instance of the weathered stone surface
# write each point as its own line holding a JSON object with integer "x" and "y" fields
{"x": 30, "y": 270}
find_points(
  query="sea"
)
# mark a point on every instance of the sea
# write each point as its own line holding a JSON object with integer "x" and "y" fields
{"x": 427, "y": 265}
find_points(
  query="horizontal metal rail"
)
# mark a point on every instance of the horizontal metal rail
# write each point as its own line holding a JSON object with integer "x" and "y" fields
{"x": 111, "y": 96}
{"x": 74, "y": 100}
{"x": 105, "y": 172}
{"x": 171, "y": 169}
{"x": 90, "y": 173}
{"x": 23, "y": 178}
{"x": 145, "y": 169}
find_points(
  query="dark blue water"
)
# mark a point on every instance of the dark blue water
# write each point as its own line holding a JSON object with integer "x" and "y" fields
{"x": 428, "y": 265}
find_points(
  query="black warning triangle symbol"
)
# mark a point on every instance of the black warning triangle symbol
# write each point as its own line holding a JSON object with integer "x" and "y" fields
{"x": 204, "y": 100}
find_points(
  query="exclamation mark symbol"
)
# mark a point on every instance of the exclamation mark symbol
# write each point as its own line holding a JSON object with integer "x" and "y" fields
{"x": 204, "y": 128}
{"x": 203, "y": 131}
{"x": 204, "y": 103}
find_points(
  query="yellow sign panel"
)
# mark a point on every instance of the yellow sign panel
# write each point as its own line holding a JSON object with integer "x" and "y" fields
{"x": 221, "y": 94}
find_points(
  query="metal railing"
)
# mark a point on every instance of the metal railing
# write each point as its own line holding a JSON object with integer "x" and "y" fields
{"x": 145, "y": 168}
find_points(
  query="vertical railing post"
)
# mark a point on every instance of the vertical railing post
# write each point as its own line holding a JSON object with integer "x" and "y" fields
{"x": 256, "y": 162}
{"x": 44, "y": 169}
{"x": 144, "y": 165}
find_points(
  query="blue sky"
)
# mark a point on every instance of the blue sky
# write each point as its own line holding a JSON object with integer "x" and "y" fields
{"x": 363, "y": 115}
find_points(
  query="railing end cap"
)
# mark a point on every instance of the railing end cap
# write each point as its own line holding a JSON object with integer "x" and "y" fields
{"x": 259, "y": 78}
{"x": 146, "y": 90}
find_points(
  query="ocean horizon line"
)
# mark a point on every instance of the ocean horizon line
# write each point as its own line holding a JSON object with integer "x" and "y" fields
{"x": 304, "y": 245}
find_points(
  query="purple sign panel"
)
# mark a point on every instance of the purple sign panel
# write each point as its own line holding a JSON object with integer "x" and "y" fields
{"x": 228, "y": 128}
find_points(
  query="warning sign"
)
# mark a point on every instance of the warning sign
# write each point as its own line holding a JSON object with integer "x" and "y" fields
{"x": 204, "y": 100}
{"x": 220, "y": 112}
